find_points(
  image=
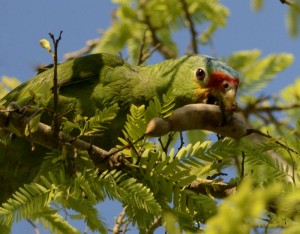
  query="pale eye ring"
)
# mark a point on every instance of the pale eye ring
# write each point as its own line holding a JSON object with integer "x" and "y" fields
{"x": 225, "y": 85}
{"x": 200, "y": 74}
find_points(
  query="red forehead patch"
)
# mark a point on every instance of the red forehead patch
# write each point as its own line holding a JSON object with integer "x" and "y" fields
{"x": 218, "y": 77}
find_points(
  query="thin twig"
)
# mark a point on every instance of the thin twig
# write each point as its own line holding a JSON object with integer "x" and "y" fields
{"x": 170, "y": 139}
{"x": 277, "y": 108}
{"x": 125, "y": 227}
{"x": 36, "y": 230}
{"x": 181, "y": 141}
{"x": 90, "y": 45}
{"x": 119, "y": 222}
{"x": 131, "y": 145}
{"x": 56, "y": 124}
{"x": 142, "y": 47}
{"x": 285, "y": 2}
{"x": 86, "y": 230}
{"x": 291, "y": 4}
{"x": 143, "y": 57}
{"x": 243, "y": 165}
{"x": 191, "y": 26}
{"x": 217, "y": 189}
{"x": 149, "y": 54}
{"x": 156, "y": 224}
{"x": 214, "y": 176}
{"x": 44, "y": 136}
{"x": 266, "y": 113}
{"x": 165, "y": 147}
{"x": 117, "y": 150}
{"x": 162, "y": 145}
{"x": 293, "y": 167}
{"x": 250, "y": 131}
{"x": 164, "y": 50}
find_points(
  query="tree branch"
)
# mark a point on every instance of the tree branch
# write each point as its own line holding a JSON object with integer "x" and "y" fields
{"x": 56, "y": 124}
{"x": 291, "y": 4}
{"x": 44, "y": 136}
{"x": 36, "y": 229}
{"x": 197, "y": 116}
{"x": 90, "y": 45}
{"x": 243, "y": 165}
{"x": 191, "y": 26}
{"x": 16, "y": 122}
{"x": 276, "y": 141}
{"x": 213, "y": 188}
{"x": 165, "y": 51}
{"x": 266, "y": 113}
{"x": 269, "y": 109}
{"x": 143, "y": 57}
{"x": 119, "y": 222}
{"x": 156, "y": 224}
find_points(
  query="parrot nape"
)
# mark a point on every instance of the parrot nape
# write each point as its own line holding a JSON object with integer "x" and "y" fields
{"x": 100, "y": 80}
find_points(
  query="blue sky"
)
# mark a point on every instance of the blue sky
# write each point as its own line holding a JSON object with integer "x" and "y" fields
{"x": 24, "y": 23}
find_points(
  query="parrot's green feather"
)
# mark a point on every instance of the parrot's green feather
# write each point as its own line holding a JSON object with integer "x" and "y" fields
{"x": 99, "y": 81}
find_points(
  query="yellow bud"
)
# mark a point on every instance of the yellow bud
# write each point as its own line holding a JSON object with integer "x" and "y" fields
{"x": 46, "y": 45}
{"x": 78, "y": 118}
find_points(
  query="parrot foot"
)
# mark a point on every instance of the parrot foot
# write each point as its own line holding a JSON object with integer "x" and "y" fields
{"x": 115, "y": 157}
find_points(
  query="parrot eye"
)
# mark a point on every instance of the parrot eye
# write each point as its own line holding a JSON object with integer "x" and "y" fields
{"x": 200, "y": 74}
{"x": 225, "y": 85}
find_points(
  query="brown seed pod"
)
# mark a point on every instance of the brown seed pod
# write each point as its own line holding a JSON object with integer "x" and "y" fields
{"x": 197, "y": 116}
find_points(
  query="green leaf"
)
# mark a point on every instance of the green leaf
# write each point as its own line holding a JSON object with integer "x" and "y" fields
{"x": 25, "y": 204}
{"x": 57, "y": 224}
{"x": 186, "y": 181}
{"x": 135, "y": 126}
{"x": 293, "y": 18}
{"x": 258, "y": 73}
{"x": 92, "y": 217}
{"x": 4, "y": 229}
{"x": 241, "y": 59}
{"x": 168, "y": 104}
{"x": 32, "y": 125}
{"x": 101, "y": 119}
{"x": 10, "y": 82}
{"x": 257, "y": 4}
{"x": 170, "y": 223}
{"x": 248, "y": 203}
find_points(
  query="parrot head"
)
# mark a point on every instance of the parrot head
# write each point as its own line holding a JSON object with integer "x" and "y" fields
{"x": 216, "y": 83}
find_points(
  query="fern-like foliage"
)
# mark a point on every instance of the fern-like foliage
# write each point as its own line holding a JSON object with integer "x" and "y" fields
{"x": 5, "y": 229}
{"x": 152, "y": 183}
{"x": 25, "y": 203}
{"x": 89, "y": 212}
{"x": 7, "y": 84}
{"x": 266, "y": 164}
{"x": 164, "y": 179}
{"x": 93, "y": 125}
{"x": 257, "y": 73}
{"x": 291, "y": 94}
{"x": 57, "y": 224}
{"x": 153, "y": 179}
{"x": 155, "y": 21}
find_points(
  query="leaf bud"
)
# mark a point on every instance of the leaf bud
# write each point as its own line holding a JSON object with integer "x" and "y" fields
{"x": 45, "y": 44}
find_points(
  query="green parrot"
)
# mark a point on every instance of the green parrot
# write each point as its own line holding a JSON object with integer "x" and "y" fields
{"x": 97, "y": 81}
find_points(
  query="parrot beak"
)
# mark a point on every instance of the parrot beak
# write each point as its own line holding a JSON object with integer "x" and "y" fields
{"x": 222, "y": 89}
{"x": 229, "y": 99}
